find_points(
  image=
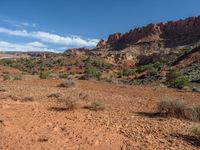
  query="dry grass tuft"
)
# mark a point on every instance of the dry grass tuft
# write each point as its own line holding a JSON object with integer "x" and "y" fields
{"x": 197, "y": 110}
{"x": 27, "y": 99}
{"x": 196, "y": 130}
{"x": 67, "y": 83}
{"x": 2, "y": 89}
{"x": 65, "y": 105}
{"x": 54, "y": 95}
{"x": 178, "y": 109}
{"x": 95, "y": 106}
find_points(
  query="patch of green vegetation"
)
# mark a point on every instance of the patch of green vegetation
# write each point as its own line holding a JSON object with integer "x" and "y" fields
{"x": 92, "y": 72}
{"x": 34, "y": 65}
{"x": 44, "y": 75}
{"x": 176, "y": 79}
{"x": 64, "y": 75}
{"x": 196, "y": 130}
{"x": 17, "y": 78}
{"x": 151, "y": 68}
{"x": 126, "y": 72}
{"x": 97, "y": 62}
{"x": 6, "y": 77}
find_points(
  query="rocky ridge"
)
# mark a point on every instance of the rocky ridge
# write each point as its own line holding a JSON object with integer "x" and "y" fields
{"x": 170, "y": 34}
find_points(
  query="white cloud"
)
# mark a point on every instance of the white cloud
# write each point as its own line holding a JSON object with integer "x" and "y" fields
{"x": 34, "y": 25}
{"x": 17, "y": 23}
{"x": 71, "y": 41}
{"x": 26, "y": 24}
{"x": 6, "y": 46}
{"x": 37, "y": 44}
{"x": 14, "y": 32}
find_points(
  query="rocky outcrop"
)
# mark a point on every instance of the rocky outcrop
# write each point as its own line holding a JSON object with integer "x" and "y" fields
{"x": 188, "y": 58}
{"x": 101, "y": 43}
{"x": 177, "y": 33}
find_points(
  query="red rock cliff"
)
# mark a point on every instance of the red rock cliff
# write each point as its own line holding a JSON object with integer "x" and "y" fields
{"x": 179, "y": 32}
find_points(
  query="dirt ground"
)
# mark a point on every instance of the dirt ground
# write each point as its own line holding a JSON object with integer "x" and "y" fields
{"x": 127, "y": 123}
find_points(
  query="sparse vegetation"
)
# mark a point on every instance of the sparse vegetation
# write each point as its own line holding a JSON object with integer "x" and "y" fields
{"x": 176, "y": 80}
{"x": 179, "y": 109}
{"x": 95, "y": 106}
{"x": 197, "y": 110}
{"x": 65, "y": 104}
{"x": 196, "y": 130}
{"x": 54, "y": 95}
{"x": 6, "y": 77}
{"x": 126, "y": 72}
{"x": 67, "y": 83}
{"x": 151, "y": 68}
{"x": 92, "y": 72}
{"x": 70, "y": 104}
{"x": 64, "y": 75}
{"x": 27, "y": 99}
{"x": 17, "y": 78}
{"x": 44, "y": 75}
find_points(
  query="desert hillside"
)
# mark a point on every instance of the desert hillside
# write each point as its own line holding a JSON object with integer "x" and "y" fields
{"x": 134, "y": 91}
{"x": 34, "y": 116}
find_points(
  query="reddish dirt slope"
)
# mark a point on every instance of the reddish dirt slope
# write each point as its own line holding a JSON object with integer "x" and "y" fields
{"x": 126, "y": 123}
{"x": 188, "y": 59}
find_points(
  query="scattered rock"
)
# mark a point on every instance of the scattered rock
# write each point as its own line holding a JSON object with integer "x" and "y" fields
{"x": 83, "y": 96}
{"x": 54, "y": 95}
{"x": 196, "y": 89}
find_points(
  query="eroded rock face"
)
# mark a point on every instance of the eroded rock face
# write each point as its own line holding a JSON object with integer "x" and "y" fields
{"x": 175, "y": 33}
{"x": 101, "y": 44}
{"x": 112, "y": 39}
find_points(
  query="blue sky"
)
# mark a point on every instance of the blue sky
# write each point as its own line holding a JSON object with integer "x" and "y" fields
{"x": 56, "y": 25}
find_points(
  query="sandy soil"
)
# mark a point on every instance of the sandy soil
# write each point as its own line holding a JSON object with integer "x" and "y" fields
{"x": 127, "y": 123}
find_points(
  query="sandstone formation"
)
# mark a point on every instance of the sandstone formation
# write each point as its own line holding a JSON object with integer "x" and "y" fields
{"x": 170, "y": 34}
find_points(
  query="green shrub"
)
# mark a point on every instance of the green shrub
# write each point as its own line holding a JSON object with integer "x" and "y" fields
{"x": 53, "y": 75}
{"x": 126, "y": 72}
{"x": 64, "y": 75}
{"x": 92, "y": 72}
{"x": 95, "y": 106}
{"x": 151, "y": 68}
{"x": 176, "y": 80}
{"x": 6, "y": 77}
{"x": 7, "y": 62}
{"x": 44, "y": 75}
{"x": 140, "y": 69}
{"x": 17, "y": 78}
{"x": 196, "y": 130}
{"x": 107, "y": 66}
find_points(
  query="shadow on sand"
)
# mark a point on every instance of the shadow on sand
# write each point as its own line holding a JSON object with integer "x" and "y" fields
{"x": 189, "y": 139}
{"x": 58, "y": 109}
{"x": 149, "y": 114}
